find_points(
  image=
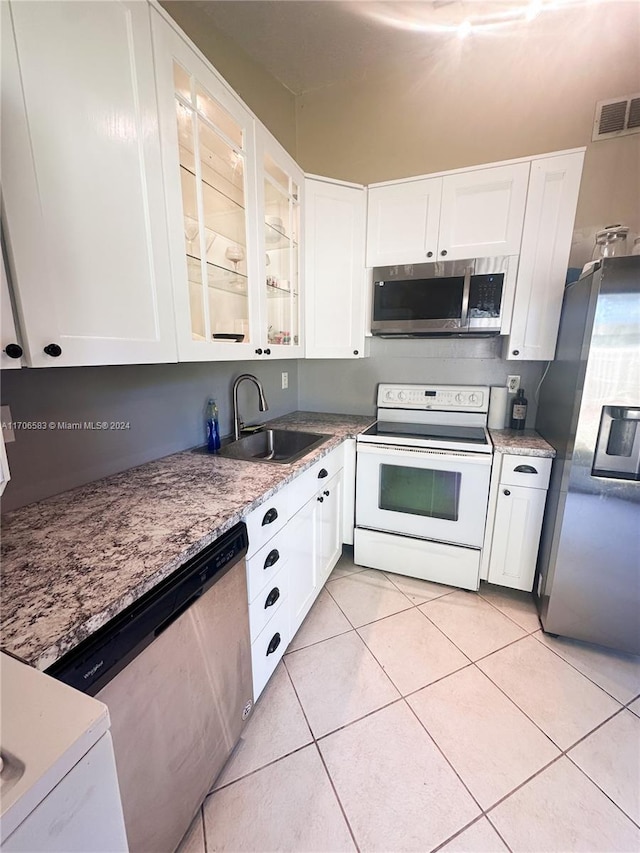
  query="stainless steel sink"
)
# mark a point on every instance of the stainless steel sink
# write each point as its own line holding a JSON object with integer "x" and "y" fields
{"x": 273, "y": 445}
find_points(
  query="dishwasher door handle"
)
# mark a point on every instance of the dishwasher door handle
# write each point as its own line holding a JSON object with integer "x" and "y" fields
{"x": 177, "y": 614}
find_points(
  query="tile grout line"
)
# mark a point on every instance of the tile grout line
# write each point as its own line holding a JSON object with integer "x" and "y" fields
{"x": 335, "y": 792}
{"x": 506, "y": 615}
{"x": 319, "y": 751}
{"x": 573, "y": 666}
{"x": 204, "y": 827}
{"x": 593, "y": 782}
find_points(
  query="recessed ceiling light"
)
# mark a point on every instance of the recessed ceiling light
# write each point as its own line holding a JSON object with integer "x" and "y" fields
{"x": 464, "y": 29}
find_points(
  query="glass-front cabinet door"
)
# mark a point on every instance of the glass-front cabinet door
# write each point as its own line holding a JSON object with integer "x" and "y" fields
{"x": 209, "y": 159}
{"x": 280, "y": 189}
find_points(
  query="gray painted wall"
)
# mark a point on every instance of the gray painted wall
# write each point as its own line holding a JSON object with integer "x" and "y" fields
{"x": 164, "y": 404}
{"x": 350, "y": 385}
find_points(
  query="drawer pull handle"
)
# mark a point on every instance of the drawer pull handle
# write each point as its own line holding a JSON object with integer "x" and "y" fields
{"x": 273, "y": 596}
{"x": 273, "y": 644}
{"x": 13, "y": 350}
{"x": 272, "y": 558}
{"x": 506, "y": 492}
{"x": 322, "y": 473}
{"x": 525, "y": 469}
{"x": 270, "y": 516}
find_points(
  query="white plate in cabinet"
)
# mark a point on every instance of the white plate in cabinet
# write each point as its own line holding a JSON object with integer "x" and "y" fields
{"x": 263, "y": 565}
{"x": 268, "y": 648}
{"x": 516, "y": 536}
{"x": 265, "y": 521}
{"x": 268, "y": 601}
{"x": 82, "y": 184}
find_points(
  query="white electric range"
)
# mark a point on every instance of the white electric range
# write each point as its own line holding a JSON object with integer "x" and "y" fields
{"x": 422, "y": 483}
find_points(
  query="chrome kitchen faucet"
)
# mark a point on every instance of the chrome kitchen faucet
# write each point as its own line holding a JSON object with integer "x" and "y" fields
{"x": 237, "y": 422}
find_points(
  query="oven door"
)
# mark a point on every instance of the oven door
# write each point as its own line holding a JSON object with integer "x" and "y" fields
{"x": 425, "y": 493}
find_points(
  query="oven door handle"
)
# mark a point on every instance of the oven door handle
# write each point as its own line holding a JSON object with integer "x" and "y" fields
{"x": 483, "y": 459}
{"x": 466, "y": 287}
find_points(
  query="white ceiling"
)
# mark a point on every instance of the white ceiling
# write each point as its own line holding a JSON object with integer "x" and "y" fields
{"x": 310, "y": 44}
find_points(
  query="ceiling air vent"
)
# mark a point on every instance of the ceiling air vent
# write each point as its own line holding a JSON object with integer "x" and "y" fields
{"x": 617, "y": 117}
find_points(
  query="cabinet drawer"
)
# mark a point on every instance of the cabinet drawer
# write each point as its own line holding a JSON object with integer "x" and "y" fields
{"x": 264, "y": 565}
{"x": 531, "y": 471}
{"x": 265, "y": 521}
{"x": 268, "y": 601}
{"x": 268, "y": 649}
{"x": 310, "y": 481}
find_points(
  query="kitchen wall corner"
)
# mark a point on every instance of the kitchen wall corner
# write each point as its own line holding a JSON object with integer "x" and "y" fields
{"x": 163, "y": 404}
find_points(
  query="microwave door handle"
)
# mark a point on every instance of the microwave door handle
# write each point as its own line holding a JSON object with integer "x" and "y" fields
{"x": 464, "y": 318}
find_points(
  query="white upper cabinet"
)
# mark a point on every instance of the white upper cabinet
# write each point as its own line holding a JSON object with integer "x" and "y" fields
{"x": 472, "y": 214}
{"x": 335, "y": 216}
{"x": 403, "y": 221}
{"x": 209, "y": 157}
{"x": 482, "y": 212}
{"x": 546, "y": 243}
{"x": 11, "y": 350}
{"x": 82, "y": 184}
{"x": 280, "y": 206}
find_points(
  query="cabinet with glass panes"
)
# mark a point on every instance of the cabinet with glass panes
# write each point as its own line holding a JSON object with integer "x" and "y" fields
{"x": 210, "y": 175}
{"x": 280, "y": 199}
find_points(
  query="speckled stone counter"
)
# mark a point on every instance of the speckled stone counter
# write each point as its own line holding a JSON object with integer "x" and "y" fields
{"x": 520, "y": 442}
{"x": 72, "y": 562}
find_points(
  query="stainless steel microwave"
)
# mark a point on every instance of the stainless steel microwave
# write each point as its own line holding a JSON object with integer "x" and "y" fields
{"x": 442, "y": 298}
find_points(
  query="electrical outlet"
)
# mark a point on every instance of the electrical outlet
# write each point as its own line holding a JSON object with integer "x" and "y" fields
{"x": 285, "y": 380}
{"x": 7, "y": 429}
{"x": 513, "y": 383}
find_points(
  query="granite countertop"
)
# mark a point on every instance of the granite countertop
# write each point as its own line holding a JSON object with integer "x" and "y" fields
{"x": 525, "y": 442}
{"x": 74, "y": 561}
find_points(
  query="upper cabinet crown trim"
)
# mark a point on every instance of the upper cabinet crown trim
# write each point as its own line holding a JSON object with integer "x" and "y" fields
{"x": 466, "y": 169}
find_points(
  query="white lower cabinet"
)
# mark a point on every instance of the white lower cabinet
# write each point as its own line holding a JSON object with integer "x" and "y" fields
{"x": 516, "y": 519}
{"x": 295, "y": 540}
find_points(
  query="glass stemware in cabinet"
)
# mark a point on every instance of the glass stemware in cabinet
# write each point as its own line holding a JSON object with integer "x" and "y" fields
{"x": 212, "y": 169}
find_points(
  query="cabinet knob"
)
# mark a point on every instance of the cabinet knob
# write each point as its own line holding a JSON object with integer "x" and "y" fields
{"x": 270, "y": 516}
{"x": 443, "y": 252}
{"x": 53, "y": 350}
{"x": 355, "y": 352}
{"x": 321, "y": 499}
{"x": 273, "y": 644}
{"x": 515, "y": 352}
{"x": 326, "y": 493}
{"x": 273, "y": 596}
{"x": 322, "y": 473}
{"x": 258, "y": 352}
{"x": 13, "y": 350}
{"x": 272, "y": 558}
{"x": 506, "y": 492}
{"x": 267, "y": 352}
{"x": 429, "y": 254}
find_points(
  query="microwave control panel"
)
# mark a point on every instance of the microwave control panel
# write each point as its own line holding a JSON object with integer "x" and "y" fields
{"x": 448, "y": 398}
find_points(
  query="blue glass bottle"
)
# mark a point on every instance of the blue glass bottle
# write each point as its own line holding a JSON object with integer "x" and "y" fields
{"x": 213, "y": 427}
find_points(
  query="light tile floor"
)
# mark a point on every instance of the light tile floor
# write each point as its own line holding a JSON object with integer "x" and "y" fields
{"x": 407, "y": 715}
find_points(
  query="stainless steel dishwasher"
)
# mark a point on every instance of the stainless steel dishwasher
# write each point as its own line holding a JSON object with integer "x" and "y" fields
{"x": 174, "y": 670}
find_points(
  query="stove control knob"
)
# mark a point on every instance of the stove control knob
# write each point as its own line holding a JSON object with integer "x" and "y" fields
{"x": 400, "y": 395}
{"x": 473, "y": 398}
{"x": 388, "y": 395}
{"x": 459, "y": 398}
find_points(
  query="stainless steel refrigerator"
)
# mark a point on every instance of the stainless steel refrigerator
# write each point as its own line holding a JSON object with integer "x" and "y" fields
{"x": 588, "y": 582}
